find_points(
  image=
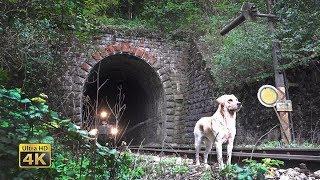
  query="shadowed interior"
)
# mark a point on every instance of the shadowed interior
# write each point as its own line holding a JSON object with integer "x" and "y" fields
{"x": 142, "y": 90}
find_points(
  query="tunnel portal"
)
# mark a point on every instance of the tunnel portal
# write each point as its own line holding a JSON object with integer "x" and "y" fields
{"x": 142, "y": 91}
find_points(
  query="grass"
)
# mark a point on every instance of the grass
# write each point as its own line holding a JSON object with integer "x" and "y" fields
{"x": 280, "y": 144}
{"x": 155, "y": 167}
{"x": 206, "y": 175}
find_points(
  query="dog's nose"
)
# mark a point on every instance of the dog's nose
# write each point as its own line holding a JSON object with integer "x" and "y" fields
{"x": 239, "y": 103}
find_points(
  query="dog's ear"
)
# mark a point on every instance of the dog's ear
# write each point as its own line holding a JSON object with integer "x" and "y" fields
{"x": 221, "y": 99}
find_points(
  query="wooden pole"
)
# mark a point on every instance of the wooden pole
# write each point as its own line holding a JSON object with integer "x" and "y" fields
{"x": 279, "y": 77}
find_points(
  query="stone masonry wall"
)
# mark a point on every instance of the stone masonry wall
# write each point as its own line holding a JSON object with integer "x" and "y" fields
{"x": 186, "y": 91}
{"x": 198, "y": 92}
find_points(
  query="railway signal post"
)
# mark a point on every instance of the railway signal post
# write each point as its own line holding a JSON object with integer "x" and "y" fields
{"x": 279, "y": 77}
{"x": 250, "y": 12}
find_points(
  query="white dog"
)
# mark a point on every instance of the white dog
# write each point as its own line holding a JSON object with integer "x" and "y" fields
{"x": 218, "y": 129}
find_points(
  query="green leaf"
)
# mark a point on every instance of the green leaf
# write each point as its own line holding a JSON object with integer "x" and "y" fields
{"x": 113, "y": 151}
{"x": 48, "y": 139}
{"x": 54, "y": 115}
{"x": 33, "y": 140}
{"x": 17, "y": 115}
{"x": 26, "y": 100}
{"x": 4, "y": 123}
{"x": 15, "y": 94}
{"x": 44, "y": 108}
{"x": 83, "y": 133}
{"x": 55, "y": 124}
{"x": 35, "y": 115}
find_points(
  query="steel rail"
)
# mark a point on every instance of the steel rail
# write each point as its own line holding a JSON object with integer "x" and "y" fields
{"x": 311, "y": 155}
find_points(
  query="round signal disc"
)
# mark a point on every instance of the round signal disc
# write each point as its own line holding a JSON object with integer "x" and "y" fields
{"x": 268, "y": 95}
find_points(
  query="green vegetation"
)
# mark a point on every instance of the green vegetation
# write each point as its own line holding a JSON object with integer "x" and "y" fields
{"x": 159, "y": 168}
{"x": 207, "y": 175}
{"x": 251, "y": 170}
{"x": 279, "y": 144}
{"x": 244, "y": 55}
{"x": 299, "y": 32}
{"x": 171, "y": 165}
{"x": 25, "y": 120}
{"x": 35, "y": 32}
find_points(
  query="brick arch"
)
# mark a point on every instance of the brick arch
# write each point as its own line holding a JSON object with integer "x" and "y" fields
{"x": 187, "y": 86}
{"x": 150, "y": 61}
{"x": 120, "y": 48}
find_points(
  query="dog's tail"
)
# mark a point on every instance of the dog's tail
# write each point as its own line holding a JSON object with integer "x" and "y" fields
{"x": 198, "y": 127}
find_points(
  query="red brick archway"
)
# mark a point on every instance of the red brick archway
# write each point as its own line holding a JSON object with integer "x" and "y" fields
{"x": 121, "y": 48}
{"x": 136, "y": 70}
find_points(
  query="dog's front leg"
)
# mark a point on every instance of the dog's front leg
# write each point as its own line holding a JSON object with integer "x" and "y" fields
{"x": 229, "y": 150}
{"x": 219, "y": 154}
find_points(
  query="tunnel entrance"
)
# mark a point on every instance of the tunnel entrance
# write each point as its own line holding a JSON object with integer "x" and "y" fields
{"x": 141, "y": 89}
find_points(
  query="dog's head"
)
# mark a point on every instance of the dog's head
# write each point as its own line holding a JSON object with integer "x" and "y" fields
{"x": 229, "y": 102}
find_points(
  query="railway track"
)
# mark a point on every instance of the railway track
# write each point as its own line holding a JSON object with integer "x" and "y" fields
{"x": 291, "y": 156}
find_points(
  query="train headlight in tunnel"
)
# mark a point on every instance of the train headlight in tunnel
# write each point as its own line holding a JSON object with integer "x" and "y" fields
{"x": 93, "y": 132}
{"x": 114, "y": 131}
{"x": 103, "y": 114}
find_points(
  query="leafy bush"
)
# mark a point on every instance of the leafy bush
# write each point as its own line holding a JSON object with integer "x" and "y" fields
{"x": 299, "y": 32}
{"x": 241, "y": 56}
{"x": 30, "y": 55}
{"x": 251, "y": 170}
{"x": 25, "y": 120}
{"x": 244, "y": 57}
{"x": 175, "y": 17}
{"x": 244, "y": 54}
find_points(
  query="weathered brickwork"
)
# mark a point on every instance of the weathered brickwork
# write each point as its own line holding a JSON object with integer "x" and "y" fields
{"x": 185, "y": 82}
{"x": 198, "y": 93}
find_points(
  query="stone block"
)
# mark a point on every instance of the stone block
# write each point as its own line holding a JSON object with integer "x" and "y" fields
{"x": 178, "y": 97}
{"x": 164, "y": 77}
{"x": 166, "y": 84}
{"x": 170, "y": 104}
{"x": 110, "y": 49}
{"x": 169, "y": 98}
{"x": 125, "y": 47}
{"x": 97, "y": 56}
{"x": 103, "y": 52}
{"x": 86, "y": 67}
{"x": 117, "y": 47}
{"x": 79, "y": 80}
{"x": 139, "y": 52}
{"x": 170, "y": 112}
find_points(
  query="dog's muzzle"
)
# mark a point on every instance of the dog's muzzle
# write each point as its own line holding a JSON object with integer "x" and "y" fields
{"x": 239, "y": 105}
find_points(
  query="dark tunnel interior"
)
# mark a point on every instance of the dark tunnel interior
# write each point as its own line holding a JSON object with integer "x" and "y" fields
{"x": 142, "y": 92}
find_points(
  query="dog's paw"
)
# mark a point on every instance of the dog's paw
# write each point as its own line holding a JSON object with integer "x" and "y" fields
{"x": 207, "y": 166}
{"x": 222, "y": 166}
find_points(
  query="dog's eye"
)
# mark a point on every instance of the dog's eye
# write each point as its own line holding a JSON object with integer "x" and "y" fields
{"x": 230, "y": 100}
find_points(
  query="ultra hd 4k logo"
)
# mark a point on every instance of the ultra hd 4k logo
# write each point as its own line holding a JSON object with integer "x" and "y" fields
{"x": 34, "y": 155}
